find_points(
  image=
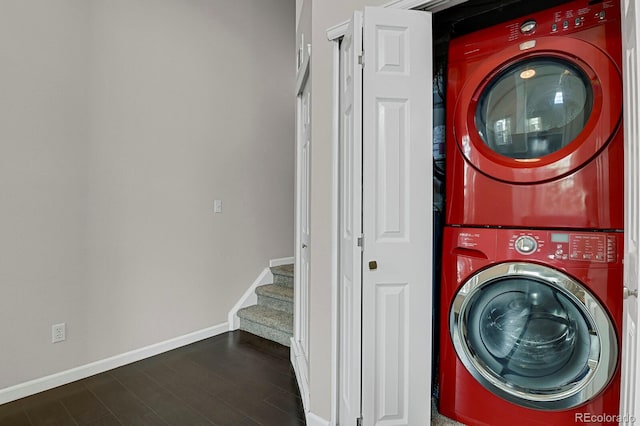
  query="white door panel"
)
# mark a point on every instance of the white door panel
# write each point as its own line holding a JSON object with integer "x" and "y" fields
{"x": 630, "y": 398}
{"x": 305, "y": 232}
{"x": 350, "y": 229}
{"x": 300, "y": 346}
{"x": 397, "y": 217}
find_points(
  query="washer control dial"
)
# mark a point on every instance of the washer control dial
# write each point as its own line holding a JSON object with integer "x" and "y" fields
{"x": 526, "y": 244}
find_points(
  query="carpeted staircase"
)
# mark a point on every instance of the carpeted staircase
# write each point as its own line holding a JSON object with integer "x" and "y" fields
{"x": 272, "y": 317}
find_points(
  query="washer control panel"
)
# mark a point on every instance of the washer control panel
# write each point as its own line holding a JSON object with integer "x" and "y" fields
{"x": 558, "y": 247}
{"x": 574, "y": 246}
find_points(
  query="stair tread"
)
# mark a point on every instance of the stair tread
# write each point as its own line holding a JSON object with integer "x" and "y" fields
{"x": 273, "y": 318}
{"x": 284, "y": 270}
{"x": 276, "y": 291}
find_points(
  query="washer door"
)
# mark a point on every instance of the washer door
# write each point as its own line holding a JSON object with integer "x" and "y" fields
{"x": 539, "y": 112}
{"x": 533, "y": 336}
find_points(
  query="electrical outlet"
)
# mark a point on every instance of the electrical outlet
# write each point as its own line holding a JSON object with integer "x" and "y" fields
{"x": 217, "y": 206}
{"x": 58, "y": 333}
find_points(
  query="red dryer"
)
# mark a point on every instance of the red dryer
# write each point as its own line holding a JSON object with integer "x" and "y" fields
{"x": 531, "y": 322}
{"x": 534, "y": 121}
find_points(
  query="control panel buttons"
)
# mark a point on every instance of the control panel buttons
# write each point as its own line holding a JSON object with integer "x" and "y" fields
{"x": 526, "y": 244}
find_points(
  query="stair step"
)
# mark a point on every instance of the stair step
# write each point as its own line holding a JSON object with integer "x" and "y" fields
{"x": 283, "y": 275}
{"x": 266, "y": 322}
{"x": 276, "y": 296}
{"x": 273, "y": 318}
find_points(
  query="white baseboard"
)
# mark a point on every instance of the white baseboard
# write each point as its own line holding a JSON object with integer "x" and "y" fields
{"x": 248, "y": 298}
{"x": 62, "y": 378}
{"x": 299, "y": 364}
{"x": 315, "y": 420}
{"x": 281, "y": 261}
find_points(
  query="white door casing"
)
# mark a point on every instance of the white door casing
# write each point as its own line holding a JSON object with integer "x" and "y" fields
{"x": 300, "y": 343}
{"x": 350, "y": 223}
{"x": 397, "y": 217}
{"x": 630, "y": 397}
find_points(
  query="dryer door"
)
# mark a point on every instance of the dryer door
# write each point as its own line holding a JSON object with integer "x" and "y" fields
{"x": 534, "y": 108}
{"x": 537, "y": 113}
{"x": 533, "y": 336}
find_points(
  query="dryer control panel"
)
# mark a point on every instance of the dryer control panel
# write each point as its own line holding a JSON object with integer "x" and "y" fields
{"x": 574, "y": 16}
{"x": 578, "y": 16}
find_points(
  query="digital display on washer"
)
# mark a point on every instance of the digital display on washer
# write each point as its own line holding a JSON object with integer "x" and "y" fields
{"x": 559, "y": 238}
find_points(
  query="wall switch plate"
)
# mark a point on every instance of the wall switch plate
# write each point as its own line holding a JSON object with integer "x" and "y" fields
{"x": 58, "y": 333}
{"x": 217, "y": 206}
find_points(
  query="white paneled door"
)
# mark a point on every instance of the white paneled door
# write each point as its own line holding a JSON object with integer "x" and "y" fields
{"x": 350, "y": 219}
{"x": 385, "y": 281}
{"x": 300, "y": 344}
{"x": 305, "y": 233}
{"x": 630, "y": 398}
{"x": 397, "y": 217}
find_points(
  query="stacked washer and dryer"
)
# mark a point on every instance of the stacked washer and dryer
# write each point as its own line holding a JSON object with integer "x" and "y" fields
{"x": 531, "y": 292}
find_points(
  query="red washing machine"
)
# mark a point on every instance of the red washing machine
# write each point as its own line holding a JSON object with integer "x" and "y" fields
{"x": 531, "y": 322}
{"x": 534, "y": 121}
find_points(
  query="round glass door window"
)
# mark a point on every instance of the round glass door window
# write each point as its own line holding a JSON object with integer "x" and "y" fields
{"x": 534, "y": 108}
{"x": 533, "y": 336}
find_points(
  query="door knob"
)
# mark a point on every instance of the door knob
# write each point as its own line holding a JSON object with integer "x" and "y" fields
{"x": 627, "y": 292}
{"x": 373, "y": 265}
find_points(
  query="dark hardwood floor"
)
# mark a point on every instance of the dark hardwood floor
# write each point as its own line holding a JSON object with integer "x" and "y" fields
{"x": 232, "y": 379}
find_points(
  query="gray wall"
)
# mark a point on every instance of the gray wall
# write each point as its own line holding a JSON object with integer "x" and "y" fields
{"x": 121, "y": 121}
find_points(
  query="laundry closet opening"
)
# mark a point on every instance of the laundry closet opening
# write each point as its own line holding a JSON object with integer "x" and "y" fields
{"x": 533, "y": 185}
{"x": 527, "y": 170}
